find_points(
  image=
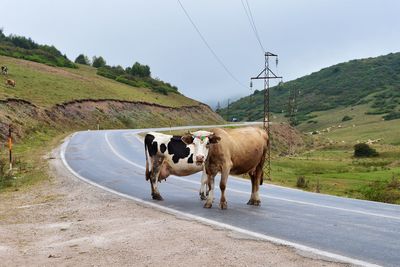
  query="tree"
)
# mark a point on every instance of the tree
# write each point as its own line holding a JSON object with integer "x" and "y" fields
{"x": 82, "y": 59}
{"x": 139, "y": 70}
{"x": 364, "y": 150}
{"x": 98, "y": 62}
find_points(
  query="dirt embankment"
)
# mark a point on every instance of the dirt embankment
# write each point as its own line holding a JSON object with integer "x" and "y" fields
{"x": 107, "y": 113}
{"x": 286, "y": 140}
{"x": 65, "y": 222}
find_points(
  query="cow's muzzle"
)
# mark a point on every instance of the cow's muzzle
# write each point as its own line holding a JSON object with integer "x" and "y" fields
{"x": 199, "y": 160}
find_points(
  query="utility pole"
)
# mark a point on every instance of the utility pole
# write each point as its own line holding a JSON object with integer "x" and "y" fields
{"x": 266, "y": 74}
{"x": 228, "y": 109}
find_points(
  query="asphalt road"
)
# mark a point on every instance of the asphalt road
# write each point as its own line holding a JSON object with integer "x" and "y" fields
{"x": 361, "y": 232}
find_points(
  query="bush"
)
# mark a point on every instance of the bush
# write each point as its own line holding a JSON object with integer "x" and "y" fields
{"x": 122, "y": 75}
{"x": 392, "y": 116}
{"x": 82, "y": 59}
{"x": 98, "y": 62}
{"x": 301, "y": 182}
{"x": 5, "y": 176}
{"x": 347, "y": 118}
{"x": 139, "y": 70}
{"x": 383, "y": 191}
{"x": 364, "y": 150}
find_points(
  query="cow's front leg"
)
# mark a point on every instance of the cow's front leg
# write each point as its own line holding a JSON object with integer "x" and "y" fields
{"x": 222, "y": 185}
{"x": 155, "y": 194}
{"x": 210, "y": 198}
{"x": 203, "y": 186}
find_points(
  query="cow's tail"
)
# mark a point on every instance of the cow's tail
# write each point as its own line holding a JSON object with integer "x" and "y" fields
{"x": 264, "y": 156}
{"x": 146, "y": 151}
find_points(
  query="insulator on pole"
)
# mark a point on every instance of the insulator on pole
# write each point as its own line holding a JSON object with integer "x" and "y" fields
{"x": 251, "y": 84}
{"x": 276, "y": 61}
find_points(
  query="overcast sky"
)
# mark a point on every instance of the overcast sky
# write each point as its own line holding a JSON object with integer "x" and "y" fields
{"x": 308, "y": 35}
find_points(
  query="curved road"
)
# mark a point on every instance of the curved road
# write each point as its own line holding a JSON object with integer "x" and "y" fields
{"x": 360, "y": 232}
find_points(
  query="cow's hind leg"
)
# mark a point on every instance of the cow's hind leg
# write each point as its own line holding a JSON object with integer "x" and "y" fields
{"x": 256, "y": 178}
{"x": 154, "y": 177}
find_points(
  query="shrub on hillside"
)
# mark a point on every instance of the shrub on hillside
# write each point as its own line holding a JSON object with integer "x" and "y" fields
{"x": 301, "y": 182}
{"x": 364, "y": 150}
{"x": 392, "y": 116}
{"x": 139, "y": 70}
{"x": 98, "y": 62}
{"x": 347, "y": 118}
{"x": 127, "y": 76}
{"x": 25, "y": 48}
{"x": 82, "y": 59}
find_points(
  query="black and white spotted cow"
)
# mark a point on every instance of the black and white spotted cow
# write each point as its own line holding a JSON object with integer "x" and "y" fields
{"x": 168, "y": 154}
{"x": 4, "y": 70}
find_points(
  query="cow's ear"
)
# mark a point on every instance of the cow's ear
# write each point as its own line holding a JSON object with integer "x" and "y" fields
{"x": 214, "y": 139}
{"x": 187, "y": 139}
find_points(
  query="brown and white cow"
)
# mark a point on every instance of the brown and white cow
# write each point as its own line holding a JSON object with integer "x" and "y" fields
{"x": 10, "y": 82}
{"x": 168, "y": 154}
{"x": 231, "y": 151}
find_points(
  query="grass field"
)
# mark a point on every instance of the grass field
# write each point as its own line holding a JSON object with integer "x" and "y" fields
{"x": 30, "y": 160}
{"x": 329, "y": 166}
{"x": 46, "y": 86}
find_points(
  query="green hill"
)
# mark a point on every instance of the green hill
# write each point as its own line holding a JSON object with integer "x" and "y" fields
{"x": 52, "y": 92}
{"x": 45, "y": 85}
{"x": 375, "y": 81}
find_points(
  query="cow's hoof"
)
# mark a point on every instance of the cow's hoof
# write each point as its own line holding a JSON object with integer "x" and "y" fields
{"x": 203, "y": 196}
{"x": 157, "y": 197}
{"x": 254, "y": 202}
{"x": 223, "y": 205}
{"x": 207, "y": 205}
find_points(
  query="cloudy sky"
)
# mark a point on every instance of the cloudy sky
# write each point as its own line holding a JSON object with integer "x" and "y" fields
{"x": 308, "y": 35}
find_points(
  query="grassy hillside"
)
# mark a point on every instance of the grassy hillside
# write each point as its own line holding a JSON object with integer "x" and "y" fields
{"x": 25, "y": 48}
{"x": 372, "y": 80}
{"x": 49, "y": 102}
{"x": 46, "y": 85}
{"x": 329, "y": 164}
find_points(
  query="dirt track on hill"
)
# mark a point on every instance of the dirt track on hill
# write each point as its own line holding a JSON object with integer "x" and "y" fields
{"x": 64, "y": 221}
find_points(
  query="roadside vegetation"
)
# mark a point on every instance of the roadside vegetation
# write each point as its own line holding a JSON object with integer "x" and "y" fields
{"x": 29, "y": 160}
{"x": 137, "y": 76}
{"x": 329, "y": 164}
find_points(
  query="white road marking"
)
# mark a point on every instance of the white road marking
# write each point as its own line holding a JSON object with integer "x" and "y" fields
{"x": 261, "y": 195}
{"x": 315, "y": 251}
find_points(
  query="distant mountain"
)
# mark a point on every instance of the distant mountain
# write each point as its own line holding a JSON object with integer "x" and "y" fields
{"x": 372, "y": 80}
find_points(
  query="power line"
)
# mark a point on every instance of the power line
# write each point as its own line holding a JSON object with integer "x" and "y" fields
{"x": 250, "y": 18}
{"x": 209, "y": 47}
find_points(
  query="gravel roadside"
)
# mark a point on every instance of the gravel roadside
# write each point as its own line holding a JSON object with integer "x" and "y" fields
{"x": 66, "y": 222}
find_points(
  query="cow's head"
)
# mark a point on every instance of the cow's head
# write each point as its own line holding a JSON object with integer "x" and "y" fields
{"x": 201, "y": 141}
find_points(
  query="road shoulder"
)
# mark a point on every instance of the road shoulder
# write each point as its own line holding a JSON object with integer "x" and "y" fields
{"x": 65, "y": 221}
